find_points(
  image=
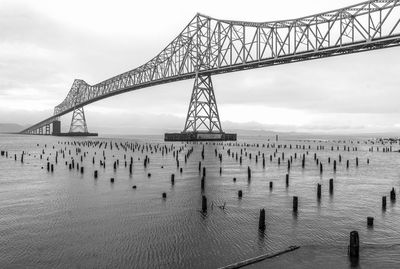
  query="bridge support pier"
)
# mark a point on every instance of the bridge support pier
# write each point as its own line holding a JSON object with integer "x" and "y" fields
{"x": 47, "y": 129}
{"x": 78, "y": 122}
{"x": 202, "y": 121}
{"x": 78, "y": 125}
{"x": 56, "y": 127}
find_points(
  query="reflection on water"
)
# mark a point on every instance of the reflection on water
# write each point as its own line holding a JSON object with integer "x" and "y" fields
{"x": 67, "y": 219}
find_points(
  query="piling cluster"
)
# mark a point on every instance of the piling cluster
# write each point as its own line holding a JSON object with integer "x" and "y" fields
{"x": 125, "y": 158}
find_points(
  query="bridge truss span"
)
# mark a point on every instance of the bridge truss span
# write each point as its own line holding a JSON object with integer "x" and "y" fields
{"x": 209, "y": 46}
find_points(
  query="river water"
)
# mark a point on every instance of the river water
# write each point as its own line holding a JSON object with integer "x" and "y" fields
{"x": 66, "y": 219}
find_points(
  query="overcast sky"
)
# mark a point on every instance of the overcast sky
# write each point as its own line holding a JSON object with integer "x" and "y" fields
{"x": 45, "y": 45}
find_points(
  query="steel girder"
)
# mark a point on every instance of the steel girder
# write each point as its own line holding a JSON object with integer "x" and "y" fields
{"x": 210, "y": 46}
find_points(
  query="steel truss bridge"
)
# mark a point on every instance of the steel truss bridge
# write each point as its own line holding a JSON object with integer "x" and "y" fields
{"x": 209, "y": 46}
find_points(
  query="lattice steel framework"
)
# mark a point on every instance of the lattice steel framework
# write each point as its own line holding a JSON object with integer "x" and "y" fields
{"x": 209, "y": 46}
{"x": 78, "y": 122}
{"x": 203, "y": 112}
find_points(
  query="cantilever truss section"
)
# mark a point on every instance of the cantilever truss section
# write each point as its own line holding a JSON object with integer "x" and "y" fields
{"x": 218, "y": 46}
{"x": 78, "y": 122}
{"x": 203, "y": 112}
{"x": 213, "y": 46}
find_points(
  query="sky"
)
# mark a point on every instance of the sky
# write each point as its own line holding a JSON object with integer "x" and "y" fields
{"x": 46, "y": 44}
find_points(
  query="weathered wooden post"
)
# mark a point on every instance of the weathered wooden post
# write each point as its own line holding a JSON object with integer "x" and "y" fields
{"x": 384, "y": 202}
{"x": 295, "y": 203}
{"x": 331, "y": 185}
{"x": 393, "y": 195}
{"x": 319, "y": 191}
{"x": 370, "y": 221}
{"x": 261, "y": 220}
{"x": 204, "y": 204}
{"x": 354, "y": 246}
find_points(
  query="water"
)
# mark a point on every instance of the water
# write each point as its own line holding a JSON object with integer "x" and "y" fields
{"x": 66, "y": 219}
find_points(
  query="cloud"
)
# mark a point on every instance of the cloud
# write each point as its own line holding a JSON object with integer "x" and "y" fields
{"x": 358, "y": 83}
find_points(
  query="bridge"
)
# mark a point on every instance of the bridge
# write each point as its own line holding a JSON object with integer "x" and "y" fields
{"x": 209, "y": 46}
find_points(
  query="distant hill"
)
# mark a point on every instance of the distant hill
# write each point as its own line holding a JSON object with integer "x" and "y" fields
{"x": 10, "y": 128}
{"x": 253, "y": 132}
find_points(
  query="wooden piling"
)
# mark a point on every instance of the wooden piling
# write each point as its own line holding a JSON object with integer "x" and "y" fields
{"x": 393, "y": 195}
{"x": 295, "y": 203}
{"x": 384, "y": 202}
{"x": 319, "y": 191}
{"x": 204, "y": 204}
{"x": 354, "y": 246}
{"x": 370, "y": 221}
{"x": 261, "y": 220}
